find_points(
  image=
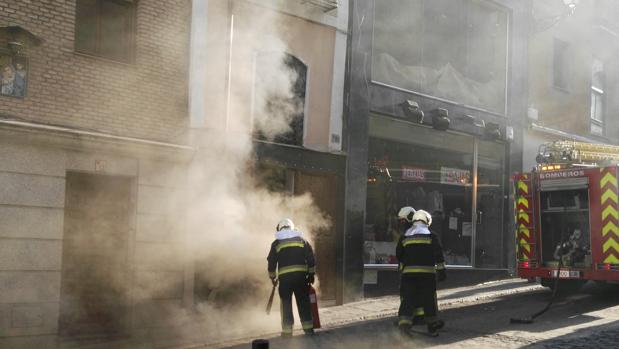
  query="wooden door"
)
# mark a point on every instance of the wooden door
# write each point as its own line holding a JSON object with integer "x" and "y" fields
{"x": 323, "y": 189}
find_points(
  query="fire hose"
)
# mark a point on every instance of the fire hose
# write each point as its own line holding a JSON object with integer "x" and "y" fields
{"x": 531, "y": 318}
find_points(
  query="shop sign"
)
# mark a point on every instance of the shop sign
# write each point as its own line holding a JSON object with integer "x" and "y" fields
{"x": 413, "y": 174}
{"x": 455, "y": 176}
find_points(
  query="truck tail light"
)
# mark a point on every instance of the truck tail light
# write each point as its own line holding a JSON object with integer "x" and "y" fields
{"x": 608, "y": 266}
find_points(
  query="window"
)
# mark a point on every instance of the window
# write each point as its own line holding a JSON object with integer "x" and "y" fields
{"x": 597, "y": 97}
{"x": 437, "y": 179}
{"x": 450, "y": 49}
{"x": 560, "y": 65}
{"x": 279, "y": 114}
{"x": 105, "y": 28}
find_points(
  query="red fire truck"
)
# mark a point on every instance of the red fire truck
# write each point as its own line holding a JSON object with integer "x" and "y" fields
{"x": 567, "y": 210}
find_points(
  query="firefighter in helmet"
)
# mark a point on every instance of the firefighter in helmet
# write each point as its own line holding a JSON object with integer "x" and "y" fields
{"x": 421, "y": 262}
{"x": 405, "y": 216}
{"x": 405, "y": 219}
{"x": 291, "y": 263}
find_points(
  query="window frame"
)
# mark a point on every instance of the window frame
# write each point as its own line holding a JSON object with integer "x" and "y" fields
{"x": 560, "y": 81}
{"x": 298, "y": 137}
{"x": 130, "y": 32}
{"x": 506, "y": 65}
{"x": 597, "y": 115}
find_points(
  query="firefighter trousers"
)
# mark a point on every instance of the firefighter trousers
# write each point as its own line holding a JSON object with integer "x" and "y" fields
{"x": 289, "y": 284}
{"x": 417, "y": 289}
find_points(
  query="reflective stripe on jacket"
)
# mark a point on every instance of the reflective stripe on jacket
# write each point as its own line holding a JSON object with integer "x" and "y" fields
{"x": 290, "y": 255}
{"x": 419, "y": 253}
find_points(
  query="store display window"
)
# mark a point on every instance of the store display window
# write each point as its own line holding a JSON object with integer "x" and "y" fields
{"x": 490, "y": 244}
{"x": 438, "y": 180}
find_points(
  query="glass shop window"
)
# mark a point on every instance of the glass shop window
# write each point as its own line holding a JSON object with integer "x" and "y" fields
{"x": 490, "y": 245}
{"x": 434, "y": 179}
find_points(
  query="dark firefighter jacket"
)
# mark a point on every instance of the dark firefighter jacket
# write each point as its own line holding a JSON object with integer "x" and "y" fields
{"x": 419, "y": 253}
{"x": 291, "y": 255}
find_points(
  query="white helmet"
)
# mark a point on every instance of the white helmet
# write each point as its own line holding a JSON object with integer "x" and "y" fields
{"x": 406, "y": 213}
{"x": 285, "y": 223}
{"x": 422, "y": 216}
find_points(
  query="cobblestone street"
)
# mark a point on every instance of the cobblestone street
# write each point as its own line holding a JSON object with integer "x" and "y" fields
{"x": 578, "y": 320}
{"x": 598, "y": 339}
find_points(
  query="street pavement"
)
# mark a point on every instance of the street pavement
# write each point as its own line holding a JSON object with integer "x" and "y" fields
{"x": 476, "y": 317}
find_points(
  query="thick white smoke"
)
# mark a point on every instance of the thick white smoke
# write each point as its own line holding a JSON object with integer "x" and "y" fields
{"x": 232, "y": 218}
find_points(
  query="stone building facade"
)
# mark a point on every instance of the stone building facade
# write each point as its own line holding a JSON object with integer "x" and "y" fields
{"x": 143, "y": 96}
{"x": 434, "y": 120}
{"x": 92, "y": 167}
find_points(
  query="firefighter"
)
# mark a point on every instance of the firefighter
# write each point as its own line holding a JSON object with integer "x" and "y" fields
{"x": 405, "y": 218}
{"x": 421, "y": 260}
{"x": 291, "y": 263}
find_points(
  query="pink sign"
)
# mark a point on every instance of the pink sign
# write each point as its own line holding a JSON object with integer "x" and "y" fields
{"x": 413, "y": 174}
{"x": 455, "y": 176}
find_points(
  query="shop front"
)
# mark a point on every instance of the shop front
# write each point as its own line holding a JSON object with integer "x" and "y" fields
{"x": 458, "y": 178}
{"x": 435, "y": 116}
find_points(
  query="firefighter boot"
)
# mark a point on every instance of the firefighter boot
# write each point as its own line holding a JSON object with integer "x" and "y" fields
{"x": 405, "y": 325}
{"x": 434, "y": 326}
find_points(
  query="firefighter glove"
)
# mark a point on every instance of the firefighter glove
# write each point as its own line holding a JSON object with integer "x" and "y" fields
{"x": 310, "y": 279}
{"x": 441, "y": 275}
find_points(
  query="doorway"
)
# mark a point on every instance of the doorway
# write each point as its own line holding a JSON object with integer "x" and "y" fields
{"x": 323, "y": 188}
{"x": 98, "y": 220}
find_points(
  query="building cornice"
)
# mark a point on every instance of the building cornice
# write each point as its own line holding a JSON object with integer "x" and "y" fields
{"x": 83, "y": 140}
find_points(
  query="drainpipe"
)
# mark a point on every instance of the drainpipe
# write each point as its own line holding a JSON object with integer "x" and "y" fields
{"x": 197, "y": 120}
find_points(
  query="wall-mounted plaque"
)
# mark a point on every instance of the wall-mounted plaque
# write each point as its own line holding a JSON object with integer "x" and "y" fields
{"x": 13, "y": 75}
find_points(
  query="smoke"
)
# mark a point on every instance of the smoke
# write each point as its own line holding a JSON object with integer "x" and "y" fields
{"x": 207, "y": 240}
{"x": 569, "y": 53}
{"x": 233, "y": 215}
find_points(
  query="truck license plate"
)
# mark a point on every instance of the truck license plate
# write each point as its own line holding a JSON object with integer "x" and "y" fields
{"x": 567, "y": 274}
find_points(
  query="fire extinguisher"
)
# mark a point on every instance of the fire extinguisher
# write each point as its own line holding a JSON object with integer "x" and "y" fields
{"x": 314, "y": 303}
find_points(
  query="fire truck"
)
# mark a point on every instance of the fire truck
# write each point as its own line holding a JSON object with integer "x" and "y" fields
{"x": 567, "y": 214}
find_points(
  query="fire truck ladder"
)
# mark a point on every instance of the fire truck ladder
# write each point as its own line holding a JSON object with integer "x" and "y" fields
{"x": 573, "y": 153}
